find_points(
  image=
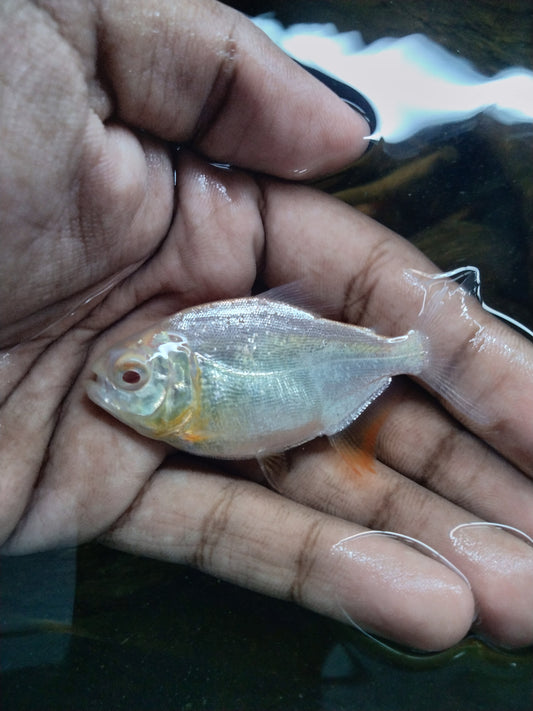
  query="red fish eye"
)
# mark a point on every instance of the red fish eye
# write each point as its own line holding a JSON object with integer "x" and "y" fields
{"x": 131, "y": 377}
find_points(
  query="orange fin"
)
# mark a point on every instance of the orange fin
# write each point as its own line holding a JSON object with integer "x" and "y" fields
{"x": 357, "y": 443}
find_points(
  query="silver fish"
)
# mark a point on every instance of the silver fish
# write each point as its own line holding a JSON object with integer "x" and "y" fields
{"x": 250, "y": 377}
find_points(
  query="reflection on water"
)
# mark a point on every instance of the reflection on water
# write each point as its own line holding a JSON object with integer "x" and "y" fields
{"x": 411, "y": 82}
{"x": 145, "y": 634}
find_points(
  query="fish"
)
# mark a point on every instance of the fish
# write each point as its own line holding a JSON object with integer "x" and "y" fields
{"x": 252, "y": 377}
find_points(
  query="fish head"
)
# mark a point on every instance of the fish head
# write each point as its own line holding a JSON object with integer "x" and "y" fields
{"x": 147, "y": 382}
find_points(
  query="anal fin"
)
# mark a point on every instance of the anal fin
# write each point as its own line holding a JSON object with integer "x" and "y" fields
{"x": 357, "y": 443}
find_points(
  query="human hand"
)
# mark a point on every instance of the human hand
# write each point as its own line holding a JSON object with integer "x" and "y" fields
{"x": 97, "y": 244}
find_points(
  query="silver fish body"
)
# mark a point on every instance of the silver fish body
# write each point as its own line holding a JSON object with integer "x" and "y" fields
{"x": 249, "y": 377}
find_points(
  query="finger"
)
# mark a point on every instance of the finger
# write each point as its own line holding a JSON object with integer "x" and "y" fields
{"x": 361, "y": 265}
{"x": 248, "y": 535}
{"x": 498, "y": 565}
{"x": 202, "y": 73}
{"x": 215, "y": 242}
{"x": 424, "y": 443}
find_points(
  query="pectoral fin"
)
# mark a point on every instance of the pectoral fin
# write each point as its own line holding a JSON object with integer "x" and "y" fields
{"x": 274, "y": 467}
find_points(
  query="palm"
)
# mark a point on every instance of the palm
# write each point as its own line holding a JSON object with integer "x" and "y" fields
{"x": 100, "y": 469}
{"x": 100, "y": 244}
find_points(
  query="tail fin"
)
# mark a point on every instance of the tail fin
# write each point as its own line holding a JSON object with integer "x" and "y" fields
{"x": 448, "y": 303}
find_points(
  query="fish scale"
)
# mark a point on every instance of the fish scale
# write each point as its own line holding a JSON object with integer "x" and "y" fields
{"x": 250, "y": 377}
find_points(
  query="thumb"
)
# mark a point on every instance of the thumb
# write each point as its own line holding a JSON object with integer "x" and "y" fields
{"x": 203, "y": 74}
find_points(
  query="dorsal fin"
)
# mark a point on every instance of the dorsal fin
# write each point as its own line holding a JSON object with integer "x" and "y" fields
{"x": 300, "y": 295}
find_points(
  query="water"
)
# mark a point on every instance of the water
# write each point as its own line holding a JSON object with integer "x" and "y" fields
{"x": 149, "y": 635}
{"x": 96, "y": 629}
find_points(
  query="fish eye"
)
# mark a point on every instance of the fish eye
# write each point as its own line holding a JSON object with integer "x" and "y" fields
{"x": 131, "y": 375}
